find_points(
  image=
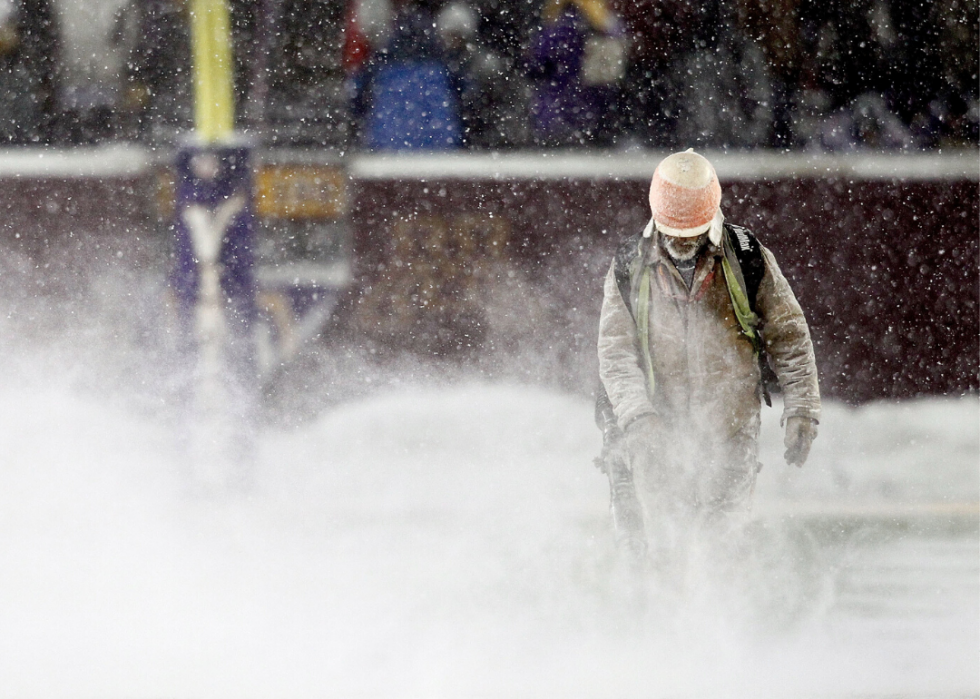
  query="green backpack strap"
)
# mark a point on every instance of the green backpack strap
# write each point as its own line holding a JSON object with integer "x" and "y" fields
{"x": 643, "y": 324}
{"x": 633, "y": 280}
{"x": 747, "y": 318}
{"x": 744, "y": 267}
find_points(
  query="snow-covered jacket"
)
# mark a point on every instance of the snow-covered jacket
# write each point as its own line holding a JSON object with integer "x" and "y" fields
{"x": 704, "y": 368}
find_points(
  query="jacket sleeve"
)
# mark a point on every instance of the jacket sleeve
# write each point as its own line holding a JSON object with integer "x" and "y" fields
{"x": 787, "y": 340}
{"x": 620, "y": 360}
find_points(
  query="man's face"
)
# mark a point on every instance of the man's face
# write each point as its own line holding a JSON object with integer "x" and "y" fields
{"x": 684, "y": 248}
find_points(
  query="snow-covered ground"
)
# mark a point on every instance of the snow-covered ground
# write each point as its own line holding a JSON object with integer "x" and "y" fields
{"x": 454, "y": 542}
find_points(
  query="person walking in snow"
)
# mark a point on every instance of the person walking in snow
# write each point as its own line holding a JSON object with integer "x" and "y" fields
{"x": 694, "y": 312}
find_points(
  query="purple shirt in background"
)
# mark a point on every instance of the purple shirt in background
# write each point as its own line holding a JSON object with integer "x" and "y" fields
{"x": 563, "y": 106}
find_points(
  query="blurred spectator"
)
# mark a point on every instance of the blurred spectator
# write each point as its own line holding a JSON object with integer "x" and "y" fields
{"x": 958, "y": 29}
{"x": 247, "y": 44}
{"x": 662, "y": 33}
{"x": 876, "y": 127}
{"x": 577, "y": 61}
{"x": 725, "y": 90}
{"x": 865, "y": 124}
{"x": 157, "y": 99}
{"x": 307, "y": 101}
{"x": 857, "y": 75}
{"x": 90, "y": 72}
{"x": 491, "y": 74}
{"x": 848, "y": 42}
{"x": 506, "y": 26}
{"x": 28, "y": 60}
{"x": 493, "y": 106}
{"x": 412, "y": 103}
{"x": 368, "y": 26}
{"x": 916, "y": 63}
{"x": 288, "y": 74}
{"x": 775, "y": 27}
{"x": 808, "y": 110}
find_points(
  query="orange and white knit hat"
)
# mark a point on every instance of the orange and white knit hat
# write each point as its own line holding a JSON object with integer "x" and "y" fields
{"x": 685, "y": 196}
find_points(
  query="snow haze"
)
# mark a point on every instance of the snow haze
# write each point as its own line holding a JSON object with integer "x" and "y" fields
{"x": 453, "y": 541}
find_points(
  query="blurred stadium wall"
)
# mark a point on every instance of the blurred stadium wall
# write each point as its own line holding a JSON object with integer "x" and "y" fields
{"x": 455, "y": 255}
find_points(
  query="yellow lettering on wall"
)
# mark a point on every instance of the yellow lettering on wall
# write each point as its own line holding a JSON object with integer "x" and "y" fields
{"x": 435, "y": 279}
{"x": 301, "y": 192}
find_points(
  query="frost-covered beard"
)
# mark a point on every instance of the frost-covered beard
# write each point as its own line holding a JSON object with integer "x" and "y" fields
{"x": 684, "y": 248}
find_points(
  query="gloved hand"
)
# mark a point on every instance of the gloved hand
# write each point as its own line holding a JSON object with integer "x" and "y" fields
{"x": 800, "y": 433}
{"x": 641, "y": 435}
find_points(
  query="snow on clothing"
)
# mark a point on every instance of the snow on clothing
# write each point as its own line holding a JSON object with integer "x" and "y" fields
{"x": 706, "y": 401}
